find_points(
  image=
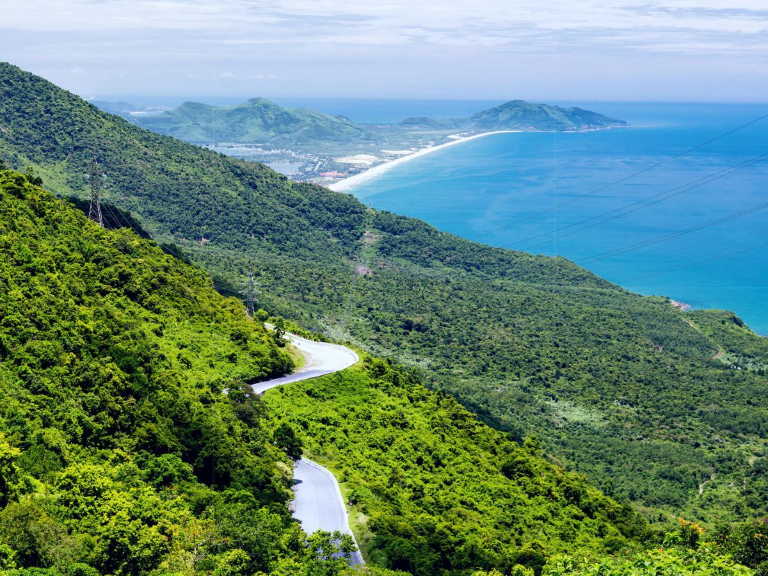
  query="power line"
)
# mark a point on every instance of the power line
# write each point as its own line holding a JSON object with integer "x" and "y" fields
{"x": 691, "y": 265}
{"x": 740, "y": 76}
{"x": 670, "y": 236}
{"x": 667, "y": 194}
{"x": 94, "y": 208}
{"x": 623, "y": 179}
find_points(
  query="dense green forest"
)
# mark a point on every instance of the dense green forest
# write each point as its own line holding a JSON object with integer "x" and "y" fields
{"x": 432, "y": 489}
{"x": 625, "y": 389}
{"x": 119, "y": 453}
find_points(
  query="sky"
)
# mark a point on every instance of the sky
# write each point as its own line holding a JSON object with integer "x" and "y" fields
{"x": 545, "y": 50}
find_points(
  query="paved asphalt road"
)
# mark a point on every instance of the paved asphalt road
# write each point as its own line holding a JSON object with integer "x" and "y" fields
{"x": 319, "y": 504}
{"x": 321, "y": 358}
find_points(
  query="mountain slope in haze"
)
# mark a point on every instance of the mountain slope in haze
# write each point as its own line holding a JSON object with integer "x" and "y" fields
{"x": 256, "y": 121}
{"x": 261, "y": 121}
{"x": 624, "y": 388}
{"x": 520, "y": 115}
{"x": 123, "y": 109}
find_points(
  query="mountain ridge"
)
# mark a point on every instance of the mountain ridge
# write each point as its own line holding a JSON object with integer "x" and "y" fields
{"x": 259, "y": 120}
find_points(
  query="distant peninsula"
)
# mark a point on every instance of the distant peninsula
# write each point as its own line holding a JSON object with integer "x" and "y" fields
{"x": 311, "y": 146}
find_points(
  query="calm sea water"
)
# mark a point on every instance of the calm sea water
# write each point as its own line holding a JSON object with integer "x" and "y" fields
{"x": 523, "y": 191}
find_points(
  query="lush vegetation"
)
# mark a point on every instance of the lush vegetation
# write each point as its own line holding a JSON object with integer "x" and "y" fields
{"x": 432, "y": 490}
{"x": 626, "y": 389}
{"x": 119, "y": 452}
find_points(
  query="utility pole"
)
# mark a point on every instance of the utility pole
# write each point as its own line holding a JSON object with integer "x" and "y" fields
{"x": 94, "y": 210}
{"x": 250, "y": 295}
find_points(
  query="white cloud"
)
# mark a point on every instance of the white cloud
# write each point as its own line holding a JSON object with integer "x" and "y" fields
{"x": 379, "y": 43}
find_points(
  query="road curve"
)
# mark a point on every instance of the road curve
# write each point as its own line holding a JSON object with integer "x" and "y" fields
{"x": 321, "y": 358}
{"x": 319, "y": 504}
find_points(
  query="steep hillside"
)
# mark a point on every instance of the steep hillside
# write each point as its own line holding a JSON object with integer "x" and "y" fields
{"x": 624, "y": 388}
{"x": 256, "y": 121}
{"x": 433, "y": 491}
{"x": 119, "y": 454}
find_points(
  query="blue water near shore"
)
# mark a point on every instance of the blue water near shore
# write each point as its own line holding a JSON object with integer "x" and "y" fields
{"x": 522, "y": 191}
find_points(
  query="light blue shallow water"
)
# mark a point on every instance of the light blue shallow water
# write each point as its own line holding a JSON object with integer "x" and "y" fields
{"x": 521, "y": 191}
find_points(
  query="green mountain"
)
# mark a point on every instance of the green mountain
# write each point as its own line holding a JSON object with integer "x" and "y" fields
{"x": 256, "y": 121}
{"x": 520, "y": 115}
{"x": 116, "y": 442}
{"x": 623, "y": 388}
{"x": 260, "y": 121}
{"x": 120, "y": 453}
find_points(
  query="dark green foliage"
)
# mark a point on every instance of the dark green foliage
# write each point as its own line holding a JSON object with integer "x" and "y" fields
{"x": 285, "y": 438}
{"x": 746, "y": 543}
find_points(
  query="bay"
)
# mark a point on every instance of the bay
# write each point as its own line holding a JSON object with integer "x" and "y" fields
{"x": 561, "y": 194}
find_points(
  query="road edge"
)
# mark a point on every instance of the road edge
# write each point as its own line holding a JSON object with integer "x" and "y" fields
{"x": 340, "y": 496}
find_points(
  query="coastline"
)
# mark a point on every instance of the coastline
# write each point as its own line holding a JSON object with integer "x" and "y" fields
{"x": 348, "y": 183}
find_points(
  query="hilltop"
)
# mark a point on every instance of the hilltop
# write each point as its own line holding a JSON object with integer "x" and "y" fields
{"x": 623, "y": 388}
{"x": 521, "y": 115}
{"x": 257, "y": 121}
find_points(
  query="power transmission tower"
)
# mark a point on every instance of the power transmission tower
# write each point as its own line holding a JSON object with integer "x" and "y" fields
{"x": 250, "y": 295}
{"x": 94, "y": 210}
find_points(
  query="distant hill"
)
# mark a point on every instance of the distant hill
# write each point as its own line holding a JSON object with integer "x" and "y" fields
{"x": 256, "y": 121}
{"x": 521, "y": 115}
{"x": 261, "y": 121}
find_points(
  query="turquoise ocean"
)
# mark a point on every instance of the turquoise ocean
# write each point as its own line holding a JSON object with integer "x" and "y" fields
{"x": 694, "y": 228}
{"x": 612, "y": 201}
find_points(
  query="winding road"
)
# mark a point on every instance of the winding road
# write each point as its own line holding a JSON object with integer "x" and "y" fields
{"x": 319, "y": 504}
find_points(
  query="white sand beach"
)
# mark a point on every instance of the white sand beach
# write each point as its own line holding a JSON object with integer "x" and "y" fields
{"x": 348, "y": 183}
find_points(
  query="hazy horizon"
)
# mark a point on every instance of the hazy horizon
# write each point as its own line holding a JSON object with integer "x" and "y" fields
{"x": 671, "y": 51}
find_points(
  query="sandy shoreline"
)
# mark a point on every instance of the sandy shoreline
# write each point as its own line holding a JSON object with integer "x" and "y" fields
{"x": 347, "y": 183}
